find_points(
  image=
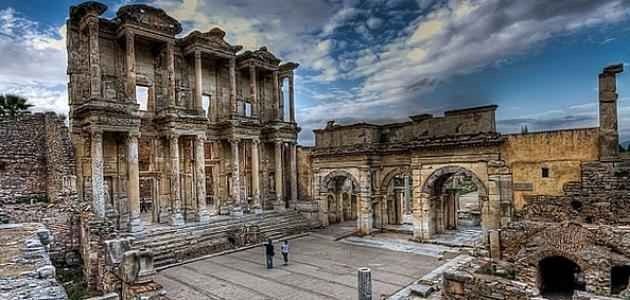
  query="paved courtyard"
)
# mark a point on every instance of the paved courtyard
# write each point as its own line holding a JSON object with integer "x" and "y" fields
{"x": 319, "y": 268}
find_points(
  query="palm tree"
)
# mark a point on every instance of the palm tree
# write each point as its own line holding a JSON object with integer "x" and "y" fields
{"x": 13, "y": 105}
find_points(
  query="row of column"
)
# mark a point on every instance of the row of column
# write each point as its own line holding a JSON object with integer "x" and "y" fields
{"x": 238, "y": 202}
{"x": 198, "y": 103}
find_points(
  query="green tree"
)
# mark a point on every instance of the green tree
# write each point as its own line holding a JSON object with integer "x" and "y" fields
{"x": 13, "y": 105}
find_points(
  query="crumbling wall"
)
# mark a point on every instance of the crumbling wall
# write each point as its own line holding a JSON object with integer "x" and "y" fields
{"x": 560, "y": 152}
{"x": 602, "y": 196}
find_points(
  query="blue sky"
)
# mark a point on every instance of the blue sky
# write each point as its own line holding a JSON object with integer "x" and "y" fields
{"x": 380, "y": 61}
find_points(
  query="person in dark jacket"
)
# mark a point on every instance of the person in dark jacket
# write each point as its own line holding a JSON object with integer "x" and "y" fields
{"x": 269, "y": 253}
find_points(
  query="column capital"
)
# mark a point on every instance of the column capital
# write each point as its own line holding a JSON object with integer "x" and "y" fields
{"x": 255, "y": 141}
{"x": 197, "y": 54}
{"x": 234, "y": 140}
{"x": 129, "y": 35}
{"x": 96, "y": 133}
{"x": 200, "y": 137}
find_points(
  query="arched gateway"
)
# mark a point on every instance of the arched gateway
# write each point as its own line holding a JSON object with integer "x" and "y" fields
{"x": 340, "y": 189}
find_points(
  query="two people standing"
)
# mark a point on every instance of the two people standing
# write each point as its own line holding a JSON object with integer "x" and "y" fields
{"x": 269, "y": 253}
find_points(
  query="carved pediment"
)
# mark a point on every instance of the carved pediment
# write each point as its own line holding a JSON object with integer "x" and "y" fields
{"x": 213, "y": 39}
{"x": 148, "y": 17}
{"x": 261, "y": 54}
{"x": 85, "y": 8}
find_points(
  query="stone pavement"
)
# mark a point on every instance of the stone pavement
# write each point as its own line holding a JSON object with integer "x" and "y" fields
{"x": 319, "y": 269}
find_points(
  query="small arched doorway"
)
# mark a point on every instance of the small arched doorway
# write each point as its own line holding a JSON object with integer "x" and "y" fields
{"x": 341, "y": 198}
{"x": 559, "y": 277}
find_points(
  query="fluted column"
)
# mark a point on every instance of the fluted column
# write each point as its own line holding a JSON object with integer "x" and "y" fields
{"x": 293, "y": 175}
{"x": 176, "y": 201}
{"x": 96, "y": 156}
{"x": 276, "y": 96}
{"x": 291, "y": 100}
{"x": 253, "y": 89}
{"x": 255, "y": 176}
{"x": 198, "y": 82}
{"x": 170, "y": 70}
{"x": 133, "y": 185}
{"x": 233, "y": 105}
{"x": 94, "y": 58}
{"x": 131, "y": 65}
{"x": 236, "y": 179}
{"x": 278, "y": 176}
{"x": 200, "y": 179}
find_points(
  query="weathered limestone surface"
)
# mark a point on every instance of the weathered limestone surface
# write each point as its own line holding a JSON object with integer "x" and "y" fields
{"x": 27, "y": 272}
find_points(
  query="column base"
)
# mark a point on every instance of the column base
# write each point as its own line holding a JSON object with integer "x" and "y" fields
{"x": 236, "y": 211}
{"x": 136, "y": 227}
{"x": 225, "y": 210}
{"x": 258, "y": 210}
{"x": 177, "y": 219}
{"x": 203, "y": 216}
{"x": 279, "y": 206}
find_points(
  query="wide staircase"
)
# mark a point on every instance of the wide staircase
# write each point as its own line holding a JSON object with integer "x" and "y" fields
{"x": 172, "y": 245}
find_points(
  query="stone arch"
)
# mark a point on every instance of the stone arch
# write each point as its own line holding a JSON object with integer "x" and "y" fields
{"x": 429, "y": 184}
{"x": 337, "y": 173}
{"x": 539, "y": 261}
{"x": 329, "y": 185}
{"x": 390, "y": 176}
{"x": 394, "y": 204}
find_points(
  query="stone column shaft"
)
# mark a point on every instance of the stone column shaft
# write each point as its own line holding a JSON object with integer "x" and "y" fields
{"x": 95, "y": 57}
{"x": 170, "y": 70}
{"x": 96, "y": 156}
{"x": 278, "y": 175}
{"x": 276, "y": 95}
{"x": 200, "y": 179}
{"x": 253, "y": 89}
{"x": 131, "y": 65}
{"x": 236, "y": 177}
{"x": 198, "y": 82}
{"x": 365, "y": 283}
{"x": 255, "y": 176}
{"x": 133, "y": 185}
{"x": 233, "y": 105}
{"x": 291, "y": 100}
{"x": 176, "y": 202}
{"x": 293, "y": 175}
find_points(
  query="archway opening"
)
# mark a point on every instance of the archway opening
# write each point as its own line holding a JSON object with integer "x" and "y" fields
{"x": 396, "y": 201}
{"x": 455, "y": 203}
{"x": 559, "y": 277}
{"x": 341, "y": 199}
{"x": 619, "y": 279}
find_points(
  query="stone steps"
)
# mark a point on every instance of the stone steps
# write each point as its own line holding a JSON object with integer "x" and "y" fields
{"x": 176, "y": 244}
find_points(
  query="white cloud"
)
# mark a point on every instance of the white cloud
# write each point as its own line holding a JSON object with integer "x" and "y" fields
{"x": 33, "y": 61}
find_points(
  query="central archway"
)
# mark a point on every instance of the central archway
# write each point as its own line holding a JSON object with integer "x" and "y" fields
{"x": 442, "y": 193}
{"x": 340, "y": 188}
{"x": 558, "y": 277}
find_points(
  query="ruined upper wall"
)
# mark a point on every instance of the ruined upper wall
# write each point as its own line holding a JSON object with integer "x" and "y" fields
{"x": 468, "y": 121}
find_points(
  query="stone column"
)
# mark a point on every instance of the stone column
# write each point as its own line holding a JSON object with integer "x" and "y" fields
{"x": 236, "y": 179}
{"x": 200, "y": 179}
{"x": 95, "y": 57}
{"x": 176, "y": 209}
{"x": 276, "y": 95}
{"x": 364, "y": 220}
{"x": 278, "y": 177}
{"x": 253, "y": 89}
{"x": 133, "y": 185}
{"x": 291, "y": 100}
{"x": 131, "y": 65}
{"x": 233, "y": 105}
{"x": 365, "y": 283}
{"x": 608, "y": 124}
{"x": 293, "y": 176}
{"x": 170, "y": 70}
{"x": 198, "y": 82}
{"x": 96, "y": 155}
{"x": 255, "y": 177}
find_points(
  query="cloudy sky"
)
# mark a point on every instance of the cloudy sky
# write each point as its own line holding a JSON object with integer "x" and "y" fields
{"x": 379, "y": 60}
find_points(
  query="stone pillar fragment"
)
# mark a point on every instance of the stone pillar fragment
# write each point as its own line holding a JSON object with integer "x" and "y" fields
{"x": 133, "y": 185}
{"x": 293, "y": 176}
{"x": 255, "y": 177}
{"x": 608, "y": 119}
{"x": 176, "y": 211}
{"x": 236, "y": 179}
{"x": 365, "y": 283}
{"x": 200, "y": 179}
{"x": 170, "y": 70}
{"x": 278, "y": 177}
{"x": 96, "y": 155}
{"x": 276, "y": 96}
{"x": 131, "y": 65}
{"x": 364, "y": 220}
{"x": 198, "y": 82}
{"x": 253, "y": 89}
{"x": 291, "y": 100}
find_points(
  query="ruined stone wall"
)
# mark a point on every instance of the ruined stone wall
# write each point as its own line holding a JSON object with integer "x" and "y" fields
{"x": 305, "y": 174}
{"x": 601, "y": 196}
{"x": 561, "y": 152}
{"x": 23, "y": 154}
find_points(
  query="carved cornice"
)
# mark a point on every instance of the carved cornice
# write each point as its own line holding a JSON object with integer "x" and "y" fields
{"x": 211, "y": 41}
{"x": 148, "y": 17}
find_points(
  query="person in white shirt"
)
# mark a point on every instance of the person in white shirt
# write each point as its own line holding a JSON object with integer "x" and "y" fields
{"x": 285, "y": 252}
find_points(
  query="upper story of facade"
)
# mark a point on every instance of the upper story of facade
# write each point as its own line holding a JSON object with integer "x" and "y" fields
{"x": 136, "y": 67}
